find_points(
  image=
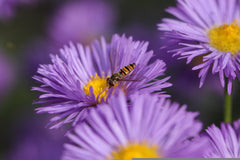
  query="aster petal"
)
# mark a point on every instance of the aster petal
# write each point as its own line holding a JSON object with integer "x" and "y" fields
{"x": 224, "y": 141}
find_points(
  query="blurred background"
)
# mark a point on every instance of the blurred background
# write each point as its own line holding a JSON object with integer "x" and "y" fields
{"x": 32, "y": 29}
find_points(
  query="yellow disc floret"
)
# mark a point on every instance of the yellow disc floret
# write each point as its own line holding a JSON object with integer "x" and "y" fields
{"x": 135, "y": 150}
{"x": 226, "y": 38}
{"x": 99, "y": 85}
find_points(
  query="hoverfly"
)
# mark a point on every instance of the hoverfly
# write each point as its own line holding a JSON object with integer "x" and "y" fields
{"x": 116, "y": 77}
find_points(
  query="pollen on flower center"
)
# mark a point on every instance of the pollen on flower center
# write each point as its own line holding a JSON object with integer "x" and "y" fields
{"x": 99, "y": 85}
{"x": 226, "y": 38}
{"x": 135, "y": 150}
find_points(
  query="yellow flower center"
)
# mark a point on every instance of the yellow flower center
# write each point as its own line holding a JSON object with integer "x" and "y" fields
{"x": 135, "y": 150}
{"x": 99, "y": 85}
{"x": 226, "y": 38}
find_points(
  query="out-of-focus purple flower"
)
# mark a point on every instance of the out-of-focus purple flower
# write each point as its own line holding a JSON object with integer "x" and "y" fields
{"x": 7, "y": 74}
{"x": 8, "y": 7}
{"x": 81, "y": 21}
{"x": 225, "y": 141}
{"x": 148, "y": 127}
{"x": 34, "y": 142}
{"x": 37, "y": 53}
{"x": 77, "y": 78}
{"x": 209, "y": 30}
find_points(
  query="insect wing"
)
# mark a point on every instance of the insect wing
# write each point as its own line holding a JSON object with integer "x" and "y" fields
{"x": 133, "y": 77}
{"x": 114, "y": 59}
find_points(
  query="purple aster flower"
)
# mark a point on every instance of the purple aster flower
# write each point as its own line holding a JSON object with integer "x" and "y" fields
{"x": 77, "y": 78}
{"x": 149, "y": 127}
{"x": 209, "y": 30}
{"x": 81, "y": 21}
{"x": 224, "y": 141}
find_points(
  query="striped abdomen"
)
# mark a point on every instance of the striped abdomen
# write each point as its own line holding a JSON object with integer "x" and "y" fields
{"x": 127, "y": 69}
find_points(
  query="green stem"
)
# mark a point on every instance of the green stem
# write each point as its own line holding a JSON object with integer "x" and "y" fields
{"x": 227, "y": 105}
